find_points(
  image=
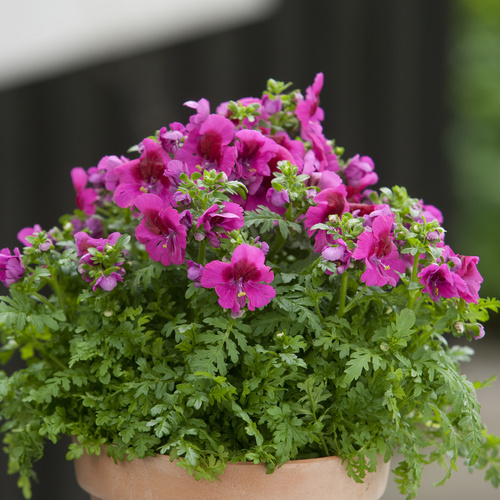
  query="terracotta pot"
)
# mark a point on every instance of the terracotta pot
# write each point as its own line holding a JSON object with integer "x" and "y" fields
{"x": 156, "y": 478}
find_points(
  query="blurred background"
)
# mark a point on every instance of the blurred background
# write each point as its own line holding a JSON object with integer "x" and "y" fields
{"x": 414, "y": 84}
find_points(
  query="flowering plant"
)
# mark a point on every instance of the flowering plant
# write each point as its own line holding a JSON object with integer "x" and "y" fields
{"x": 239, "y": 292}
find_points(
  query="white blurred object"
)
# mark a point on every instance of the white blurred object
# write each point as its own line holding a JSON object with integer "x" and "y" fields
{"x": 42, "y": 38}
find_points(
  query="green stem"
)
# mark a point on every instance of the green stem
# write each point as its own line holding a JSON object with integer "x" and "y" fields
{"x": 355, "y": 299}
{"x": 413, "y": 292}
{"x": 278, "y": 243}
{"x": 318, "y": 312}
{"x": 42, "y": 299}
{"x": 201, "y": 253}
{"x": 343, "y": 293}
{"x": 54, "y": 283}
{"x": 40, "y": 347}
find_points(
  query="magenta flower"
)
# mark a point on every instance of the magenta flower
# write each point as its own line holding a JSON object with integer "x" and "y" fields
{"x": 195, "y": 272}
{"x": 277, "y": 198}
{"x": 85, "y": 197}
{"x": 161, "y": 230}
{"x": 218, "y": 221}
{"x": 254, "y": 151}
{"x": 28, "y": 231}
{"x": 441, "y": 281}
{"x": 243, "y": 280}
{"x": 107, "y": 166}
{"x": 11, "y": 266}
{"x": 171, "y": 139}
{"x": 270, "y": 105}
{"x": 209, "y": 146}
{"x": 308, "y": 109}
{"x": 359, "y": 174}
{"x": 84, "y": 241}
{"x": 330, "y": 201}
{"x": 380, "y": 254}
{"x": 143, "y": 175}
{"x": 337, "y": 253}
{"x": 469, "y": 273}
{"x": 91, "y": 269}
{"x": 202, "y": 108}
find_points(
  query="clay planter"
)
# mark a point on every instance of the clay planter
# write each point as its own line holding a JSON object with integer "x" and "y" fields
{"x": 156, "y": 478}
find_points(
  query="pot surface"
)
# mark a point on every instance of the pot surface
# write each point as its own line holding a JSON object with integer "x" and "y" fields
{"x": 156, "y": 478}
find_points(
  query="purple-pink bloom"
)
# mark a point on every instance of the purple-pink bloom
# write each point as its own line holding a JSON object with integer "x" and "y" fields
{"x": 143, "y": 175}
{"x": 161, "y": 230}
{"x": 202, "y": 108}
{"x": 330, "y": 201}
{"x": 194, "y": 272}
{"x": 85, "y": 197}
{"x": 471, "y": 276}
{"x": 171, "y": 139}
{"x": 244, "y": 280}
{"x": 271, "y": 105}
{"x": 101, "y": 277}
{"x": 254, "y": 151}
{"x": 84, "y": 241}
{"x": 359, "y": 174}
{"x": 476, "y": 330}
{"x": 308, "y": 109}
{"x": 107, "y": 165}
{"x": 441, "y": 281}
{"x": 337, "y": 253}
{"x": 11, "y": 266}
{"x": 218, "y": 221}
{"x": 377, "y": 248}
{"x": 277, "y": 198}
{"x": 28, "y": 231}
{"x": 209, "y": 147}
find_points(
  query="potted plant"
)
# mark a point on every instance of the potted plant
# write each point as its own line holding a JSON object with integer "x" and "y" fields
{"x": 238, "y": 293}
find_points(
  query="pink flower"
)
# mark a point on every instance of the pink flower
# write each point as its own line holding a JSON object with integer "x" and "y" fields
{"x": 202, "y": 108}
{"x": 84, "y": 241}
{"x": 277, "y": 198}
{"x": 209, "y": 146}
{"x": 195, "y": 272}
{"x": 338, "y": 253}
{"x": 330, "y": 201}
{"x": 85, "y": 197}
{"x": 254, "y": 151}
{"x": 171, "y": 139}
{"x": 11, "y": 266}
{"x": 161, "y": 230}
{"x": 28, "y": 231}
{"x": 380, "y": 254}
{"x": 243, "y": 280}
{"x": 91, "y": 270}
{"x": 308, "y": 109}
{"x": 469, "y": 273}
{"x": 143, "y": 175}
{"x": 359, "y": 174}
{"x": 218, "y": 221}
{"x": 107, "y": 165}
{"x": 440, "y": 281}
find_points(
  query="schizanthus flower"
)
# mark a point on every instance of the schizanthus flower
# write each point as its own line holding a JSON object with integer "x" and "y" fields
{"x": 93, "y": 265}
{"x": 244, "y": 280}
{"x": 11, "y": 266}
{"x": 377, "y": 248}
{"x": 161, "y": 230}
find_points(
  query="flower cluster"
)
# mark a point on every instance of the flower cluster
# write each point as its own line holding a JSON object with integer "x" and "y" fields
{"x": 240, "y": 268}
{"x": 248, "y": 144}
